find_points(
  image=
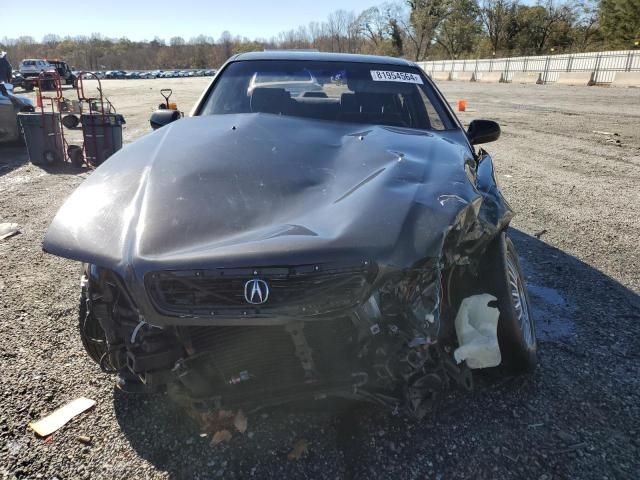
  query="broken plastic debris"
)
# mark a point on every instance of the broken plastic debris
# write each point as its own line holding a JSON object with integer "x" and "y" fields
{"x": 240, "y": 422}
{"x": 221, "y": 436}
{"x": 8, "y": 230}
{"x": 300, "y": 448}
{"x": 49, "y": 424}
{"x": 476, "y": 327}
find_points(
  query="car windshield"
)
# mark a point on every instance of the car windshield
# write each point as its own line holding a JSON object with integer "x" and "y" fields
{"x": 369, "y": 93}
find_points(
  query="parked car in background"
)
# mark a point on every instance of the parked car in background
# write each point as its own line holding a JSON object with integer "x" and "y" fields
{"x": 67, "y": 77}
{"x": 17, "y": 80}
{"x": 32, "y": 67}
{"x": 115, "y": 74}
{"x": 10, "y": 106}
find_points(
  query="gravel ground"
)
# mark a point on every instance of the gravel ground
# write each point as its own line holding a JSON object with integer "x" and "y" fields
{"x": 578, "y": 416}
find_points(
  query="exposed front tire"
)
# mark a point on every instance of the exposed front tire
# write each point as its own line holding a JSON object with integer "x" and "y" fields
{"x": 92, "y": 335}
{"x": 516, "y": 328}
{"x": 51, "y": 157}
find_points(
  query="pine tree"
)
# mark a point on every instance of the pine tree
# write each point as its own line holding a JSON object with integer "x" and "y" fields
{"x": 620, "y": 22}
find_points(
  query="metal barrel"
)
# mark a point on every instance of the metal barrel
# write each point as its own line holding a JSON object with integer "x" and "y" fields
{"x": 102, "y": 136}
{"x": 42, "y": 133}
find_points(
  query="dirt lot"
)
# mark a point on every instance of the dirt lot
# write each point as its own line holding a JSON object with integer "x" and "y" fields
{"x": 569, "y": 162}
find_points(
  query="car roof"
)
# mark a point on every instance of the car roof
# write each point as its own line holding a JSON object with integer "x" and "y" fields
{"x": 313, "y": 56}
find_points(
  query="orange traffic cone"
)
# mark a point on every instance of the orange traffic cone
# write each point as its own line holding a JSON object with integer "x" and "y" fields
{"x": 462, "y": 105}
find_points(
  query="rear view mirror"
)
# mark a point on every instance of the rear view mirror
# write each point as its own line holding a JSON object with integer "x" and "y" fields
{"x": 483, "y": 131}
{"x": 160, "y": 118}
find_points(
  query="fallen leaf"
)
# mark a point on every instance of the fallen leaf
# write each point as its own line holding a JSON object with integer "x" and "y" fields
{"x": 221, "y": 436}
{"x": 240, "y": 422}
{"x": 214, "y": 421}
{"x": 49, "y": 424}
{"x": 300, "y": 448}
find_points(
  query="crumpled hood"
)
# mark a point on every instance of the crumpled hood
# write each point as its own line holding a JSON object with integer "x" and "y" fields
{"x": 260, "y": 189}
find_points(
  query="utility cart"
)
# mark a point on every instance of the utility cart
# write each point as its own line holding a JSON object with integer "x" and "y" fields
{"x": 101, "y": 124}
{"x": 43, "y": 132}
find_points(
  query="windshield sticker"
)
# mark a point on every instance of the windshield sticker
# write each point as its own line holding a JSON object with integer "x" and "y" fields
{"x": 386, "y": 76}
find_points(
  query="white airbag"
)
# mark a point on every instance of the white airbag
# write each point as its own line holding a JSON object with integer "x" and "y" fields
{"x": 477, "y": 330}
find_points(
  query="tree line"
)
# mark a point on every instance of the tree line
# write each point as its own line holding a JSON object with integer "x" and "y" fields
{"x": 414, "y": 29}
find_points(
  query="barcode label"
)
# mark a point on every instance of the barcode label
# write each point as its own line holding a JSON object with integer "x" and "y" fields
{"x": 387, "y": 76}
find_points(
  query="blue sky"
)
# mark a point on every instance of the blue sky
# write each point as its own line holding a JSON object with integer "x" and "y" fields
{"x": 145, "y": 19}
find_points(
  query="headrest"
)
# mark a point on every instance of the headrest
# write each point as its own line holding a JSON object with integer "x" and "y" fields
{"x": 270, "y": 100}
{"x": 349, "y": 103}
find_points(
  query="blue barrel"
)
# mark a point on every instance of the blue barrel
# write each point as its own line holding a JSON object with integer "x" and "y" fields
{"x": 42, "y": 134}
{"x": 102, "y": 135}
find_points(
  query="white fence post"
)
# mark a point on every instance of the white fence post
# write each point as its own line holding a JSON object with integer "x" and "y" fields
{"x": 545, "y": 77}
{"x": 627, "y": 67}
{"x": 597, "y": 69}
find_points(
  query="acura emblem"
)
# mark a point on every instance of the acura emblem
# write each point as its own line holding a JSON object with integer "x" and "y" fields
{"x": 256, "y": 291}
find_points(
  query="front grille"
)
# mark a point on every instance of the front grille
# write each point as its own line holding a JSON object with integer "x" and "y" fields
{"x": 301, "y": 290}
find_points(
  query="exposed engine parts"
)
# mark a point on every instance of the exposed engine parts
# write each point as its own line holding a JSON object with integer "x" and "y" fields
{"x": 387, "y": 351}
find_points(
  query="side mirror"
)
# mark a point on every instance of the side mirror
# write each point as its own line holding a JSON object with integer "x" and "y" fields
{"x": 160, "y": 118}
{"x": 483, "y": 131}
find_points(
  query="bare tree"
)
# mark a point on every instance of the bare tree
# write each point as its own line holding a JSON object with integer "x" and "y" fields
{"x": 459, "y": 30}
{"x": 373, "y": 25}
{"x": 496, "y": 16}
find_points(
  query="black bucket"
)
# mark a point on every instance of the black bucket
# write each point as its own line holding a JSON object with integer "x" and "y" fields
{"x": 102, "y": 136}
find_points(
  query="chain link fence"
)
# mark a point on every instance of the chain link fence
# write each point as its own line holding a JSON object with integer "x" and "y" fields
{"x": 602, "y": 64}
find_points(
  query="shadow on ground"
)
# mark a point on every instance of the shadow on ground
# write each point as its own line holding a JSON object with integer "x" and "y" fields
{"x": 11, "y": 157}
{"x": 15, "y": 156}
{"x": 558, "y": 422}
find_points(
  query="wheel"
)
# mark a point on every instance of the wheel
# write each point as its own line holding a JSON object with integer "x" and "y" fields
{"x": 92, "y": 335}
{"x": 516, "y": 328}
{"x": 75, "y": 155}
{"x": 51, "y": 157}
{"x": 21, "y": 141}
{"x": 70, "y": 121}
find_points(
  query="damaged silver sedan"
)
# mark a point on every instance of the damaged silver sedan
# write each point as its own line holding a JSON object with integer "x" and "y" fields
{"x": 282, "y": 243}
